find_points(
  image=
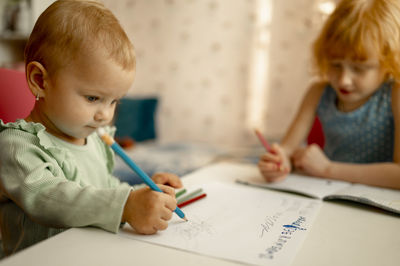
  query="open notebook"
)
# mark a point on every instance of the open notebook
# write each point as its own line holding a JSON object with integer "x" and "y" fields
{"x": 326, "y": 189}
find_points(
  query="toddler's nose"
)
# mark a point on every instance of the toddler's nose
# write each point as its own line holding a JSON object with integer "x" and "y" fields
{"x": 104, "y": 115}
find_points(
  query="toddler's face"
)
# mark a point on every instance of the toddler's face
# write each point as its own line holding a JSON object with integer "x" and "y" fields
{"x": 355, "y": 81}
{"x": 82, "y": 97}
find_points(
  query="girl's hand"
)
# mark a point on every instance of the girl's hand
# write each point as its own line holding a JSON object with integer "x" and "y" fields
{"x": 274, "y": 165}
{"x": 311, "y": 160}
{"x": 167, "y": 179}
{"x": 148, "y": 211}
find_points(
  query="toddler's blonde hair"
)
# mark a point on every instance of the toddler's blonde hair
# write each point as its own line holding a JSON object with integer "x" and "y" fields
{"x": 358, "y": 27}
{"x": 70, "y": 28}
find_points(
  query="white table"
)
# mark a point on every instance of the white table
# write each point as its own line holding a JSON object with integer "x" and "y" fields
{"x": 342, "y": 234}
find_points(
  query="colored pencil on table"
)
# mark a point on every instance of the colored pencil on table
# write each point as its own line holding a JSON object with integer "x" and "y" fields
{"x": 190, "y": 195}
{"x": 180, "y": 193}
{"x": 180, "y": 205}
{"x": 146, "y": 179}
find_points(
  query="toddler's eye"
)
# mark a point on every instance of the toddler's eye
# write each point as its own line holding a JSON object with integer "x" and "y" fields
{"x": 91, "y": 98}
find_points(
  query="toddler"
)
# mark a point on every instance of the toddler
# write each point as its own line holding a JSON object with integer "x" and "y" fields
{"x": 55, "y": 172}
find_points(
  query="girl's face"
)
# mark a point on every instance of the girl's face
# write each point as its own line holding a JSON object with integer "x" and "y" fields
{"x": 82, "y": 97}
{"x": 355, "y": 81}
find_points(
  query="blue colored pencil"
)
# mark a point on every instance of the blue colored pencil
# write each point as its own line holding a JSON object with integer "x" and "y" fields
{"x": 146, "y": 179}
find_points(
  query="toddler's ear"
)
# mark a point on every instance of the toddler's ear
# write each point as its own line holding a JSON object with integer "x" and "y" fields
{"x": 36, "y": 76}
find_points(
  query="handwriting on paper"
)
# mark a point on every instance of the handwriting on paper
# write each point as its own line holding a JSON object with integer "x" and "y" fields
{"x": 269, "y": 222}
{"x": 287, "y": 206}
{"x": 287, "y": 231}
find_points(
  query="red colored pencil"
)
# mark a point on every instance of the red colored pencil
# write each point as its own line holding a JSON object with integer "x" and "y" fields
{"x": 191, "y": 200}
{"x": 266, "y": 146}
{"x": 263, "y": 140}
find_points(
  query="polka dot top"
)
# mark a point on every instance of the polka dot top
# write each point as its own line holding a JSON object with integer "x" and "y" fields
{"x": 365, "y": 135}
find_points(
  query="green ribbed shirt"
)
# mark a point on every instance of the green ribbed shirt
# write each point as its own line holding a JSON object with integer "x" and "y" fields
{"x": 48, "y": 185}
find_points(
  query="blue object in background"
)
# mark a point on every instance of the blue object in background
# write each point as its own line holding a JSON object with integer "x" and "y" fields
{"x": 135, "y": 118}
{"x": 179, "y": 158}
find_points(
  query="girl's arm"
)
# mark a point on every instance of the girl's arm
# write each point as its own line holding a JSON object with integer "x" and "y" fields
{"x": 304, "y": 119}
{"x": 375, "y": 174}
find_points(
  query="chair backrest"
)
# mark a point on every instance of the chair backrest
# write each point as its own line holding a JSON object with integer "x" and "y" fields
{"x": 316, "y": 134}
{"x": 16, "y": 100}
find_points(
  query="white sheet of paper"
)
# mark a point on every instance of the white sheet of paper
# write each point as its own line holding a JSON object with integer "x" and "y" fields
{"x": 240, "y": 223}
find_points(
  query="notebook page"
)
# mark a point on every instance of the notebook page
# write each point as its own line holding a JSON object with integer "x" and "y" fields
{"x": 309, "y": 186}
{"x": 240, "y": 223}
{"x": 387, "y": 199}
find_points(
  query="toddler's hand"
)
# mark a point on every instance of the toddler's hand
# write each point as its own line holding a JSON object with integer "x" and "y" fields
{"x": 148, "y": 211}
{"x": 311, "y": 160}
{"x": 167, "y": 179}
{"x": 274, "y": 165}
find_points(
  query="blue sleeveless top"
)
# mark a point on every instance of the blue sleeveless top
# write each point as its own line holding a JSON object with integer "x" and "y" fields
{"x": 365, "y": 135}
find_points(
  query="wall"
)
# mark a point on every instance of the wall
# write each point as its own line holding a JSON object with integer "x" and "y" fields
{"x": 196, "y": 56}
{"x": 294, "y": 26}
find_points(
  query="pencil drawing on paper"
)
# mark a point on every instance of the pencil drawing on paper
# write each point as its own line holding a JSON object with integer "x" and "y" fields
{"x": 193, "y": 228}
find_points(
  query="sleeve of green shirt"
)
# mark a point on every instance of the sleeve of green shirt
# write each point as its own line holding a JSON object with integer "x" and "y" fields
{"x": 32, "y": 179}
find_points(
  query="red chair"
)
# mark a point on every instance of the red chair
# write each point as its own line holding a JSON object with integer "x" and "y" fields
{"x": 16, "y": 100}
{"x": 316, "y": 134}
